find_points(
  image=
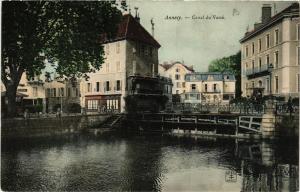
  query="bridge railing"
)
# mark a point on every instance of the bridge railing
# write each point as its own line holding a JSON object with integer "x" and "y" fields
{"x": 250, "y": 123}
{"x": 239, "y": 108}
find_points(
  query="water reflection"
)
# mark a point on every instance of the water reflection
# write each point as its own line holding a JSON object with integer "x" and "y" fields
{"x": 148, "y": 162}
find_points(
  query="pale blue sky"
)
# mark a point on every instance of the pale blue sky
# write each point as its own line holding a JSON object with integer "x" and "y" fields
{"x": 198, "y": 42}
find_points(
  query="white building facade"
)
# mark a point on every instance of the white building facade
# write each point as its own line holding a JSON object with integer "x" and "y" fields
{"x": 209, "y": 87}
{"x": 270, "y": 55}
{"x": 176, "y": 71}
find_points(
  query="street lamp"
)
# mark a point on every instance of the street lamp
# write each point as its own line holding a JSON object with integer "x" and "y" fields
{"x": 270, "y": 68}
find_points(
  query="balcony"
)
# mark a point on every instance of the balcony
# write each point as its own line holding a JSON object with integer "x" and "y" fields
{"x": 211, "y": 91}
{"x": 257, "y": 72}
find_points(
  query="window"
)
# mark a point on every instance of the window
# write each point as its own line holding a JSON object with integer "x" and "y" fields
{"x": 198, "y": 96}
{"x": 259, "y": 44}
{"x": 253, "y": 66}
{"x": 92, "y": 104}
{"x": 276, "y": 59}
{"x": 107, "y": 67}
{"x": 193, "y": 86}
{"x": 88, "y": 87}
{"x": 253, "y": 47}
{"x": 97, "y": 86}
{"x": 35, "y": 91}
{"x": 205, "y": 87}
{"x": 186, "y": 96}
{"x": 118, "y": 88}
{"x": 215, "y": 87}
{"x": 118, "y": 47}
{"x": 73, "y": 91}
{"x": 177, "y": 69}
{"x": 268, "y": 40}
{"x": 252, "y": 84}
{"x": 246, "y": 51}
{"x": 177, "y": 77}
{"x": 268, "y": 60}
{"x": 54, "y": 92}
{"x": 276, "y": 36}
{"x": 61, "y": 92}
{"x": 178, "y": 85}
{"x": 183, "y": 84}
{"x": 69, "y": 92}
{"x": 259, "y": 63}
{"x": 268, "y": 85}
{"x": 276, "y": 84}
{"x": 107, "y": 88}
{"x": 118, "y": 66}
{"x": 151, "y": 51}
{"x": 177, "y": 91}
{"x": 48, "y": 92}
{"x": 77, "y": 92}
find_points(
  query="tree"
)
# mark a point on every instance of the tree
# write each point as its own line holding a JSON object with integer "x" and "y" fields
{"x": 66, "y": 33}
{"x": 230, "y": 64}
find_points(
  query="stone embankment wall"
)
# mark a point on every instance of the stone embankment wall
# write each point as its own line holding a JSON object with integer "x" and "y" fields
{"x": 49, "y": 126}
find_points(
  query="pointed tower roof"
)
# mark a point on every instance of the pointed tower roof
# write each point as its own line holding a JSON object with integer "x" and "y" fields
{"x": 131, "y": 29}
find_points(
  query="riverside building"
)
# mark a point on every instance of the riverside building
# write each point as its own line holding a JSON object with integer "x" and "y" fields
{"x": 133, "y": 52}
{"x": 270, "y": 54}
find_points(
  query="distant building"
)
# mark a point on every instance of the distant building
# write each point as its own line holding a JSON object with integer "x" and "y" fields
{"x": 270, "y": 54}
{"x": 133, "y": 52}
{"x": 209, "y": 87}
{"x": 30, "y": 94}
{"x": 176, "y": 71}
{"x": 60, "y": 93}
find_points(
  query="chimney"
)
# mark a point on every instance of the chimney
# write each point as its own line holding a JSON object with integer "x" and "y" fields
{"x": 137, "y": 18}
{"x": 266, "y": 13}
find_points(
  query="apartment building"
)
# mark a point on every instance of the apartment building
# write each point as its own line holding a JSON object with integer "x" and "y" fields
{"x": 132, "y": 52}
{"x": 270, "y": 54}
{"x": 176, "y": 71}
{"x": 209, "y": 87}
{"x": 60, "y": 93}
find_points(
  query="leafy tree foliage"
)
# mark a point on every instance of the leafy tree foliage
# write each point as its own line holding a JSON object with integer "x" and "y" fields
{"x": 230, "y": 64}
{"x": 66, "y": 33}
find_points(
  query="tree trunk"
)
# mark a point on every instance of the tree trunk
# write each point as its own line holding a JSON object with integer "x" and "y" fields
{"x": 11, "y": 92}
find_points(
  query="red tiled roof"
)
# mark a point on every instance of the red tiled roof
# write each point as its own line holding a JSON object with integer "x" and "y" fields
{"x": 129, "y": 28}
{"x": 169, "y": 65}
{"x": 294, "y": 8}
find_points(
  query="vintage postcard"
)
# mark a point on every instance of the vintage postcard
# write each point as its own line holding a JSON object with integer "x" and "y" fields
{"x": 135, "y": 95}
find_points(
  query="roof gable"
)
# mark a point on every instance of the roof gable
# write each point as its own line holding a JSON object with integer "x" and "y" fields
{"x": 129, "y": 28}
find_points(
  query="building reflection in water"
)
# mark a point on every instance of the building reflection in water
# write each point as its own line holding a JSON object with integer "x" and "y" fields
{"x": 262, "y": 171}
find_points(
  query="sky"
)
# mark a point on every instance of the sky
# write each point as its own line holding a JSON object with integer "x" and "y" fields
{"x": 199, "y": 41}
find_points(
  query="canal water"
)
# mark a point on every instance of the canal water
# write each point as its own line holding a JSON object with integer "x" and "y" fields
{"x": 114, "y": 162}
